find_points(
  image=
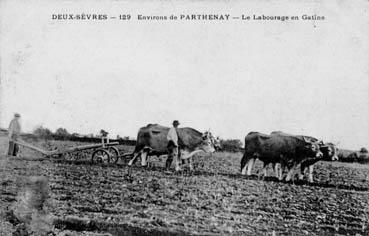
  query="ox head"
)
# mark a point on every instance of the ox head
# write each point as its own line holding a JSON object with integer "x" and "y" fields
{"x": 217, "y": 144}
{"x": 312, "y": 148}
{"x": 207, "y": 144}
{"x": 330, "y": 151}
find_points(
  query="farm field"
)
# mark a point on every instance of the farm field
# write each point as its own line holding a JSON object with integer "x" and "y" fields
{"x": 212, "y": 200}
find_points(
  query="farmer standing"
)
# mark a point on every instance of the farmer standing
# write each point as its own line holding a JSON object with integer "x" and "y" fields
{"x": 172, "y": 146}
{"x": 13, "y": 134}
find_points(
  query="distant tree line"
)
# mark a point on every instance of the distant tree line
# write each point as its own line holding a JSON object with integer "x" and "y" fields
{"x": 231, "y": 145}
{"x": 361, "y": 156}
{"x": 42, "y": 132}
{"x": 63, "y": 134}
{"x": 228, "y": 145}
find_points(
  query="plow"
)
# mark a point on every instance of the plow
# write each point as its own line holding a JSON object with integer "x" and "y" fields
{"x": 104, "y": 152}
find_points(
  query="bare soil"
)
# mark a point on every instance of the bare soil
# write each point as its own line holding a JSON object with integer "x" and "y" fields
{"x": 212, "y": 200}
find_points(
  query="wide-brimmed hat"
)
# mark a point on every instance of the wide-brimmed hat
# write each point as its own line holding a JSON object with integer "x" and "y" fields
{"x": 17, "y": 115}
{"x": 175, "y": 122}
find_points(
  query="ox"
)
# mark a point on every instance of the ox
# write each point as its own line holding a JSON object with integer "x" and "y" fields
{"x": 329, "y": 151}
{"x": 151, "y": 140}
{"x": 288, "y": 150}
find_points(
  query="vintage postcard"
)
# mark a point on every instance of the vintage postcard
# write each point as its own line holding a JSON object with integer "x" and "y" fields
{"x": 123, "y": 117}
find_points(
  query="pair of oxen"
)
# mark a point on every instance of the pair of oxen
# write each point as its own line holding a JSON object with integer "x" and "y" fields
{"x": 286, "y": 152}
{"x": 152, "y": 141}
{"x": 283, "y": 151}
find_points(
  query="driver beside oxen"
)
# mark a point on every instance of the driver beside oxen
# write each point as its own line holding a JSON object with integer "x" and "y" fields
{"x": 177, "y": 143}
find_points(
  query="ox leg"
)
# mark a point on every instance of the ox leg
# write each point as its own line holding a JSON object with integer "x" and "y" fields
{"x": 169, "y": 161}
{"x": 250, "y": 164}
{"x": 311, "y": 170}
{"x": 190, "y": 163}
{"x": 264, "y": 170}
{"x": 133, "y": 160}
{"x": 276, "y": 168}
{"x": 290, "y": 173}
{"x": 280, "y": 172}
{"x": 243, "y": 169}
{"x": 301, "y": 175}
{"x": 244, "y": 164}
{"x": 144, "y": 159}
{"x": 303, "y": 170}
{"x": 176, "y": 160}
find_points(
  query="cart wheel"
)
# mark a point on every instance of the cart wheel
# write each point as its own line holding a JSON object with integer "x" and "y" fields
{"x": 114, "y": 154}
{"x": 100, "y": 156}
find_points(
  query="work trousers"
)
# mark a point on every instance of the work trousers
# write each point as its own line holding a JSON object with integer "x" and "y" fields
{"x": 13, "y": 149}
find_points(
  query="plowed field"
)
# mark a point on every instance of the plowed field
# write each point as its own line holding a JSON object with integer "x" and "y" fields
{"x": 212, "y": 200}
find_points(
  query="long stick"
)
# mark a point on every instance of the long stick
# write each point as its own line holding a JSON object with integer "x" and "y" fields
{"x": 66, "y": 150}
{"x": 21, "y": 143}
{"x": 83, "y": 147}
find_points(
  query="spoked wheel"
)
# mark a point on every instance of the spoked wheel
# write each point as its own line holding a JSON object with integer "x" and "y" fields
{"x": 100, "y": 156}
{"x": 114, "y": 154}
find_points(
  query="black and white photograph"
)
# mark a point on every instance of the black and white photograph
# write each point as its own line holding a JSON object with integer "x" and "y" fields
{"x": 193, "y": 117}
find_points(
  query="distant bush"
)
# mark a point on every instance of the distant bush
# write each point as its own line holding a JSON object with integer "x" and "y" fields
{"x": 42, "y": 132}
{"x": 62, "y": 133}
{"x": 343, "y": 154}
{"x": 354, "y": 156}
{"x": 363, "y": 150}
{"x": 363, "y": 157}
{"x": 231, "y": 145}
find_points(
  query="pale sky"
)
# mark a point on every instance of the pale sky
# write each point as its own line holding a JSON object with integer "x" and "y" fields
{"x": 301, "y": 77}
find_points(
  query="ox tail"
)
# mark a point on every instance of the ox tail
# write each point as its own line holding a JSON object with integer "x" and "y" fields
{"x": 138, "y": 148}
{"x": 136, "y": 152}
{"x": 244, "y": 161}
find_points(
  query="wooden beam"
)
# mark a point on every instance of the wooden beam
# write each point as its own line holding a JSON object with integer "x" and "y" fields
{"x": 24, "y": 144}
{"x": 65, "y": 150}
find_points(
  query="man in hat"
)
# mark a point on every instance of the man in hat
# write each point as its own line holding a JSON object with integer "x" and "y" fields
{"x": 13, "y": 134}
{"x": 172, "y": 146}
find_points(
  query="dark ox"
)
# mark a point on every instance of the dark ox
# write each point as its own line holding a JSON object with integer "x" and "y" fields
{"x": 152, "y": 140}
{"x": 287, "y": 150}
{"x": 329, "y": 151}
